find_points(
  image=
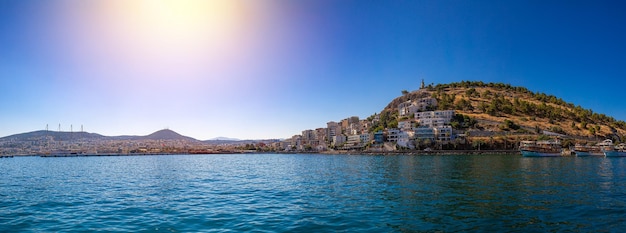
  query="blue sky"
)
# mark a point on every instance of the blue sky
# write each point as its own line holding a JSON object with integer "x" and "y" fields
{"x": 270, "y": 69}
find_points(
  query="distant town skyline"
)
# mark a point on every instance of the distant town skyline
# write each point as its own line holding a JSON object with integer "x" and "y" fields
{"x": 271, "y": 68}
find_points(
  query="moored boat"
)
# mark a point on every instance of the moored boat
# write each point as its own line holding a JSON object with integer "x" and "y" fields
{"x": 549, "y": 148}
{"x": 584, "y": 151}
{"x": 596, "y": 150}
{"x": 614, "y": 151}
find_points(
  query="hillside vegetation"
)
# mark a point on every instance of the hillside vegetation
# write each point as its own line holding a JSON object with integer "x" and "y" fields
{"x": 502, "y": 107}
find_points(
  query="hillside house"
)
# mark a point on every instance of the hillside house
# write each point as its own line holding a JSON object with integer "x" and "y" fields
{"x": 412, "y": 106}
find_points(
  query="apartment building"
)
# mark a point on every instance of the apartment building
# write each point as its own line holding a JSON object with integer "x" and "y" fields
{"x": 414, "y": 106}
{"x": 392, "y": 135}
{"x": 434, "y": 118}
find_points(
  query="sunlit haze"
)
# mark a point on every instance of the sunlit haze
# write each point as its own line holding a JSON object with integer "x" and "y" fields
{"x": 270, "y": 68}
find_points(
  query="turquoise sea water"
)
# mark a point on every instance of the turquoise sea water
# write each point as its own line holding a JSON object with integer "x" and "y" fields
{"x": 312, "y": 193}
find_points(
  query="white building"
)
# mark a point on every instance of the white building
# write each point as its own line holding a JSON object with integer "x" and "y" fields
{"x": 443, "y": 133}
{"x": 413, "y": 106}
{"x": 353, "y": 132}
{"x": 376, "y": 118}
{"x": 296, "y": 141}
{"x": 284, "y": 145}
{"x": 338, "y": 140}
{"x": 392, "y": 135}
{"x": 321, "y": 134}
{"x": 404, "y": 139}
{"x": 405, "y": 125}
{"x": 365, "y": 138}
{"x": 353, "y": 140}
{"x": 308, "y": 135}
{"x": 434, "y": 118}
{"x": 333, "y": 128}
{"x": 423, "y": 133}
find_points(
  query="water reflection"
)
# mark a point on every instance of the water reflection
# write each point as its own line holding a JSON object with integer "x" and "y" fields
{"x": 605, "y": 174}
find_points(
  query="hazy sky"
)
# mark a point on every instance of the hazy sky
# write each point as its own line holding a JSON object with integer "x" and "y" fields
{"x": 255, "y": 69}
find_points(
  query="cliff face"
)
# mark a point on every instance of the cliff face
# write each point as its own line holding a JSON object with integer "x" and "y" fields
{"x": 498, "y": 107}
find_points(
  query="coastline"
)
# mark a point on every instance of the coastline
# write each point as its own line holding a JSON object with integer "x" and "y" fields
{"x": 334, "y": 152}
{"x": 433, "y": 152}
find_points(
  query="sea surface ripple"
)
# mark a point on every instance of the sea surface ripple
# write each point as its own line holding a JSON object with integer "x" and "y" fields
{"x": 312, "y": 193}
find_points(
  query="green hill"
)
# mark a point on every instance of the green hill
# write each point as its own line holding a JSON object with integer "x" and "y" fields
{"x": 499, "y": 107}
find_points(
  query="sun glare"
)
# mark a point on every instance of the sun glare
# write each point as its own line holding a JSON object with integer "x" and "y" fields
{"x": 183, "y": 22}
{"x": 160, "y": 42}
{"x": 189, "y": 18}
{"x": 167, "y": 38}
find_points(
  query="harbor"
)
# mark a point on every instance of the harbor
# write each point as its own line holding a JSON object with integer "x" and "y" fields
{"x": 553, "y": 148}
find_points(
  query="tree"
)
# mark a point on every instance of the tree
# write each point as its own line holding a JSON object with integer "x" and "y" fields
{"x": 427, "y": 142}
{"x": 483, "y": 107}
{"x": 537, "y": 129}
{"x": 477, "y": 144}
{"x": 405, "y": 92}
{"x": 557, "y": 129}
{"x": 455, "y": 125}
{"x": 376, "y": 128}
{"x": 470, "y": 92}
{"x": 486, "y": 94}
{"x": 460, "y": 121}
{"x": 492, "y": 109}
{"x": 567, "y": 143}
{"x": 550, "y": 106}
{"x": 393, "y": 124}
{"x": 464, "y": 104}
{"x": 543, "y": 137}
{"x": 509, "y": 125}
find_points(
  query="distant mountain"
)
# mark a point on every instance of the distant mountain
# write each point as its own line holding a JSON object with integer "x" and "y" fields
{"x": 223, "y": 142}
{"x": 223, "y": 139}
{"x": 56, "y": 135}
{"x": 241, "y": 142}
{"x": 125, "y": 137}
{"x": 167, "y": 134}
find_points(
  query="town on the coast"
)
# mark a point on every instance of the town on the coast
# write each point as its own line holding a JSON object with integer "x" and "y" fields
{"x": 457, "y": 118}
{"x": 422, "y": 126}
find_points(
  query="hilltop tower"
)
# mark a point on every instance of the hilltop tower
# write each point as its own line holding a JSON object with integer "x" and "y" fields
{"x": 422, "y": 86}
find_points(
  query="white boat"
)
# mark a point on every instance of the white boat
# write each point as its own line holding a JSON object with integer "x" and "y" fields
{"x": 550, "y": 148}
